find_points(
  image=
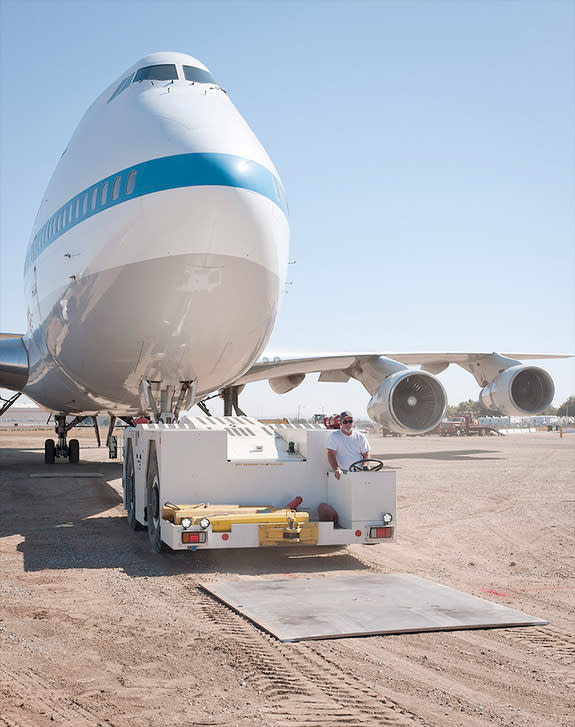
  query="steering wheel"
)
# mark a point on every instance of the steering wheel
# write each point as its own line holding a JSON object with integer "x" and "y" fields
{"x": 369, "y": 465}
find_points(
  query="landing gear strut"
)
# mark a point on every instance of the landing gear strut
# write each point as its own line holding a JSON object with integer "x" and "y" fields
{"x": 230, "y": 396}
{"x": 70, "y": 450}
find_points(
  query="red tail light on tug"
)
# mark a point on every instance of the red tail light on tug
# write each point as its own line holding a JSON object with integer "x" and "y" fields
{"x": 194, "y": 537}
{"x": 381, "y": 532}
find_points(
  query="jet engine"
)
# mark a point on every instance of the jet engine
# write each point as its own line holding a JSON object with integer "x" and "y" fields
{"x": 408, "y": 402}
{"x": 519, "y": 391}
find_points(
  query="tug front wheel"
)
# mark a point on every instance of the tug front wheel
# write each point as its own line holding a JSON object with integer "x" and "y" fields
{"x": 154, "y": 507}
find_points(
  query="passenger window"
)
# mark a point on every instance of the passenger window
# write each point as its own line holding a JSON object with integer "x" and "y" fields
{"x": 85, "y": 204}
{"x": 104, "y": 193}
{"x": 116, "y": 187}
{"x": 77, "y": 208}
{"x": 94, "y": 199}
{"x": 164, "y": 72}
{"x": 198, "y": 75}
{"x": 130, "y": 182}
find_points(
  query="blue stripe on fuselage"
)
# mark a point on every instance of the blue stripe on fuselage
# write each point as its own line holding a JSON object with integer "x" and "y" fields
{"x": 157, "y": 175}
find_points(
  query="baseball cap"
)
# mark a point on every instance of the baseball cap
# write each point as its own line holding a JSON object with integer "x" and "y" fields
{"x": 345, "y": 414}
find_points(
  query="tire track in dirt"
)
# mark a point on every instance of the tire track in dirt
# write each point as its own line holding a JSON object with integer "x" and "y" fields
{"x": 455, "y": 672}
{"x": 352, "y": 691}
{"x": 298, "y": 680}
{"x": 551, "y": 643}
{"x": 549, "y": 640}
{"x": 45, "y": 699}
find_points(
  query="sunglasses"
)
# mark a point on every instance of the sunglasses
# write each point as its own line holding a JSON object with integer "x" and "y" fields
{"x": 347, "y": 421}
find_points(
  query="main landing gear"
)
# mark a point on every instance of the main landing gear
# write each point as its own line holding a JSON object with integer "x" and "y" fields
{"x": 68, "y": 450}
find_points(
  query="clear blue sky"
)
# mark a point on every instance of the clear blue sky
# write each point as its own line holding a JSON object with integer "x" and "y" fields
{"x": 427, "y": 151}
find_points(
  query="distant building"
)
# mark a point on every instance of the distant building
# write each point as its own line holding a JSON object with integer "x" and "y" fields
{"x": 24, "y": 416}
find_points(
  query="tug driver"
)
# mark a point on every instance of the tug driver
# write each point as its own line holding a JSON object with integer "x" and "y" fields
{"x": 346, "y": 445}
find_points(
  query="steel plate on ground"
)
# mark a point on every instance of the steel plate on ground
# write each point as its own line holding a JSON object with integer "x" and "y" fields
{"x": 294, "y": 609}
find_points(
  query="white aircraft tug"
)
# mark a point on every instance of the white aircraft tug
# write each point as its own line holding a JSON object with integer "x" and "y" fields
{"x": 234, "y": 482}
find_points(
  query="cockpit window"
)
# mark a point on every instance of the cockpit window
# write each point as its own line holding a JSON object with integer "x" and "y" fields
{"x": 165, "y": 72}
{"x": 124, "y": 84}
{"x": 198, "y": 75}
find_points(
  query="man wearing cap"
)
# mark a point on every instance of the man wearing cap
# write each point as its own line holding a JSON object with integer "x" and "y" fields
{"x": 346, "y": 445}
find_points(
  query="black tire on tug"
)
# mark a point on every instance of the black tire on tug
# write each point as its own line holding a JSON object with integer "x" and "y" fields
{"x": 153, "y": 506}
{"x": 131, "y": 490}
{"x": 74, "y": 451}
{"x": 458, "y": 432}
{"x": 49, "y": 451}
{"x": 482, "y": 432}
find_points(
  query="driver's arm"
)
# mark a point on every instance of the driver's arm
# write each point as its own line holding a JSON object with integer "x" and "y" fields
{"x": 365, "y": 455}
{"x": 332, "y": 460}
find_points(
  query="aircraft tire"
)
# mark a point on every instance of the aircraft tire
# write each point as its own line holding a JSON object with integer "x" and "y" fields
{"x": 131, "y": 490}
{"x": 154, "y": 506}
{"x": 74, "y": 451}
{"x": 49, "y": 451}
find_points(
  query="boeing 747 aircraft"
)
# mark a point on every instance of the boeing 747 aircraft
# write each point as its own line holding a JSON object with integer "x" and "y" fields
{"x": 155, "y": 267}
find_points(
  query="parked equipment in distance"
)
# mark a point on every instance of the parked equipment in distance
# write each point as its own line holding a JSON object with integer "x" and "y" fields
{"x": 464, "y": 425}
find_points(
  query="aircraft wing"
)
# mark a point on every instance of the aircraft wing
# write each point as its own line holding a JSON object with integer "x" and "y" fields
{"x": 414, "y": 401}
{"x": 275, "y": 365}
{"x": 13, "y": 362}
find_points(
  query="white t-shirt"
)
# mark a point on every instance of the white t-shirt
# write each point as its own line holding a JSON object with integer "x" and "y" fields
{"x": 348, "y": 448}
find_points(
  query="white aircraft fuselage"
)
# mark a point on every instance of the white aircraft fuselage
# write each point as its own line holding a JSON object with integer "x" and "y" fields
{"x": 155, "y": 269}
{"x": 163, "y": 232}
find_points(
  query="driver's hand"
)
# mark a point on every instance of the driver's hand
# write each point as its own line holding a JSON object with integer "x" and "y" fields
{"x": 337, "y": 473}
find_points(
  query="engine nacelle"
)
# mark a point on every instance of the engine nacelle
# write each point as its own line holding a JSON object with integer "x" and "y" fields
{"x": 519, "y": 391}
{"x": 408, "y": 402}
{"x": 283, "y": 384}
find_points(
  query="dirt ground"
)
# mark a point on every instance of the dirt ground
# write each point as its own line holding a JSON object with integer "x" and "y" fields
{"x": 97, "y": 630}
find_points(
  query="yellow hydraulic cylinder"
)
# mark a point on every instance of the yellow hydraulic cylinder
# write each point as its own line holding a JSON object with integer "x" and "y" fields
{"x": 223, "y": 517}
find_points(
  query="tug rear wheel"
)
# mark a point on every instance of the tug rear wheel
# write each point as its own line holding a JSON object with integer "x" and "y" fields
{"x": 131, "y": 490}
{"x": 154, "y": 508}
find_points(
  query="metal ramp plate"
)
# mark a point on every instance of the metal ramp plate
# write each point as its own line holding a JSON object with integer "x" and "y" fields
{"x": 294, "y": 609}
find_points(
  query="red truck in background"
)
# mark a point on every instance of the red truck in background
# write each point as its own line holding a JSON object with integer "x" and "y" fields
{"x": 464, "y": 425}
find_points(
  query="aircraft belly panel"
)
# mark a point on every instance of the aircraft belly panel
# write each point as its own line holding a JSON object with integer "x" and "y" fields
{"x": 173, "y": 318}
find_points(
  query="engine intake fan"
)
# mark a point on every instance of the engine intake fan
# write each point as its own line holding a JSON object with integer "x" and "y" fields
{"x": 409, "y": 402}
